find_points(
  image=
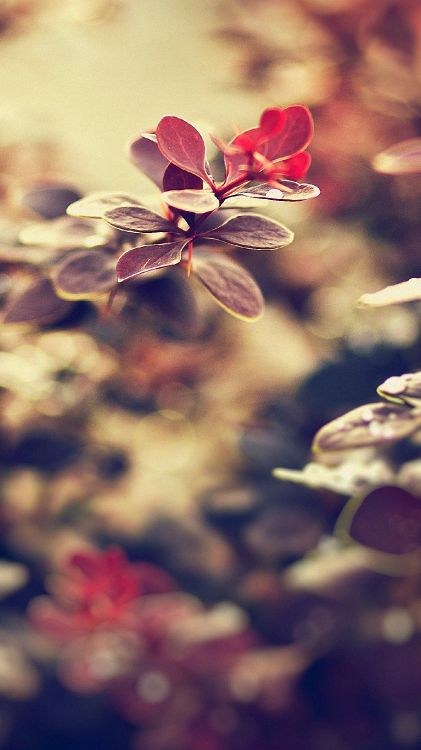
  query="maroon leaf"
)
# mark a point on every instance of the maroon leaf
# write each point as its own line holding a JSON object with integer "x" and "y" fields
{"x": 145, "y": 258}
{"x": 138, "y": 219}
{"x": 252, "y": 231}
{"x": 50, "y": 201}
{"x": 401, "y": 158}
{"x": 194, "y": 201}
{"x": 147, "y": 157}
{"x": 230, "y": 284}
{"x": 183, "y": 145}
{"x": 95, "y": 205}
{"x": 372, "y": 424}
{"x": 287, "y": 191}
{"x": 387, "y": 520}
{"x": 37, "y": 304}
{"x": 272, "y": 121}
{"x": 85, "y": 274}
{"x": 178, "y": 179}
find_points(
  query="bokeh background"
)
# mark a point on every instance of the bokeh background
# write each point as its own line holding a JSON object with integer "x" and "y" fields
{"x": 161, "y": 589}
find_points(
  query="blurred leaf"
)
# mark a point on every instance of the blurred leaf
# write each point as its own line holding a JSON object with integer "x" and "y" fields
{"x": 252, "y": 231}
{"x": 387, "y": 520}
{"x": 138, "y": 219}
{"x": 196, "y": 201}
{"x": 12, "y": 577}
{"x": 37, "y": 304}
{"x": 147, "y": 157}
{"x": 401, "y": 158}
{"x": 85, "y": 274}
{"x": 372, "y": 424}
{"x": 406, "y": 291}
{"x": 230, "y": 284}
{"x": 404, "y": 389}
{"x": 292, "y": 191}
{"x": 65, "y": 233}
{"x": 148, "y": 258}
{"x": 94, "y": 205}
{"x": 178, "y": 179}
{"x": 182, "y": 145}
{"x": 50, "y": 201}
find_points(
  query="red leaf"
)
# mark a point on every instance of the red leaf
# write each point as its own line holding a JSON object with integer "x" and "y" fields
{"x": 195, "y": 201}
{"x": 294, "y": 168}
{"x": 252, "y": 231}
{"x": 388, "y": 520}
{"x": 294, "y": 137}
{"x": 138, "y": 219}
{"x": 272, "y": 121}
{"x": 178, "y": 179}
{"x": 287, "y": 191}
{"x": 85, "y": 274}
{"x": 230, "y": 284}
{"x": 145, "y": 258}
{"x": 147, "y": 157}
{"x": 95, "y": 205}
{"x": 37, "y": 304}
{"x": 183, "y": 145}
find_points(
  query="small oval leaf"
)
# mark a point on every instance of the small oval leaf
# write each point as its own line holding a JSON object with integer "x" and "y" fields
{"x": 94, "y": 205}
{"x": 372, "y": 424}
{"x": 194, "y": 201}
{"x": 183, "y": 145}
{"x": 145, "y": 258}
{"x": 138, "y": 219}
{"x": 50, "y": 201}
{"x": 405, "y": 291}
{"x": 85, "y": 275}
{"x": 230, "y": 284}
{"x": 288, "y": 191}
{"x": 252, "y": 231}
{"x": 402, "y": 388}
{"x": 65, "y": 233}
{"x": 38, "y": 304}
{"x": 387, "y": 520}
{"x": 401, "y": 158}
{"x": 146, "y": 156}
{"x": 178, "y": 179}
{"x": 294, "y": 137}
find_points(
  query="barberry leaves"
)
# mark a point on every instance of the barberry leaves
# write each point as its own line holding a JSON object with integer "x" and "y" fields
{"x": 138, "y": 260}
{"x": 194, "y": 201}
{"x": 372, "y": 424}
{"x": 288, "y": 190}
{"x": 401, "y": 158}
{"x": 94, "y": 205}
{"x": 406, "y": 291}
{"x": 230, "y": 284}
{"x": 183, "y": 145}
{"x": 38, "y": 304}
{"x": 138, "y": 219}
{"x": 387, "y": 520}
{"x": 252, "y": 231}
{"x": 84, "y": 275}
